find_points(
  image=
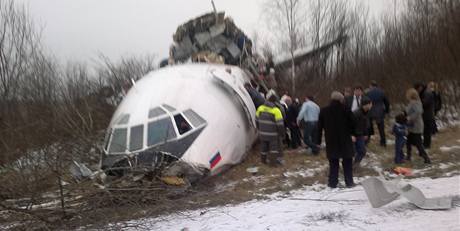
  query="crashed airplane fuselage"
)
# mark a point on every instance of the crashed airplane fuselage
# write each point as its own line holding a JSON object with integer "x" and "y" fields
{"x": 197, "y": 114}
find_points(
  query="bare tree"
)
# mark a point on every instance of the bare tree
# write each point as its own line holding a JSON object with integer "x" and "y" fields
{"x": 119, "y": 75}
{"x": 19, "y": 49}
{"x": 288, "y": 17}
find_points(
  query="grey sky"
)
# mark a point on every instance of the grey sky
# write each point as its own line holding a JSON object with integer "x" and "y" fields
{"x": 80, "y": 29}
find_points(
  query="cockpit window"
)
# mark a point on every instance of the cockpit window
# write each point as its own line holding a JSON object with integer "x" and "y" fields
{"x": 123, "y": 119}
{"x": 136, "y": 138}
{"x": 182, "y": 125}
{"x": 160, "y": 131}
{"x": 118, "y": 143}
{"x": 194, "y": 118}
{"x": 155, "y": 112}
{"x": 169, "y": 108}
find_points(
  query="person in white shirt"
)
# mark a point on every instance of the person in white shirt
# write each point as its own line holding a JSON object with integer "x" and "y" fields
{"x": 309, "y": 113}
{"x": 353, "y": 102}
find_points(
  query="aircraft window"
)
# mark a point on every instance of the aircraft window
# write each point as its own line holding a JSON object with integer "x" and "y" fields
{"x": 194, "y": 118}
{"x": 160, "y": 131}
{"x": 118, "y": 143}
{"x": 154, "y": 112}
{"x": 136, "y": 138}
{"x": 123, "y": 119}
{"x": 169, "y": 108}
{"x": 182, "y": 125}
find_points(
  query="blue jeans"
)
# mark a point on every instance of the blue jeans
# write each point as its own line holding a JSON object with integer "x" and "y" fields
{"x": 309, "y": 136}
{"x": 360, "y": 146}
{"x": 399, "y": 154}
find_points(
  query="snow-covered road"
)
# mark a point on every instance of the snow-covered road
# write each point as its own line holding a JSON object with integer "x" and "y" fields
{"x": 318, "y": 208}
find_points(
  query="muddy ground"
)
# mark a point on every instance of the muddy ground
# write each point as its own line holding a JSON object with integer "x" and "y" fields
{"x": 96, "y": 208}
{"x": 300, "y": 169}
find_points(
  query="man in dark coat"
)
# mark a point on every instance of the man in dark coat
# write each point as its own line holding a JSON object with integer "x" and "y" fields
{"x": 256, "y": 97}
{"x": 428, "y": 103}
{"x": 338, "y": 125}
{"x": 291, "y": 122}
{"x": 361, "y": 128}
{"x": 437, "y": 103}
{"x": 380, "y": 107}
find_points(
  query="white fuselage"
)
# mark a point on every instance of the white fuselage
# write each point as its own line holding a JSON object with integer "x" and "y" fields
{"x": 215, "y": 93}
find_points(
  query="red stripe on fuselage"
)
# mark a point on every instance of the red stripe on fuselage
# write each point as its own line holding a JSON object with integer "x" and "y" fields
{"x": 215, "y": 160}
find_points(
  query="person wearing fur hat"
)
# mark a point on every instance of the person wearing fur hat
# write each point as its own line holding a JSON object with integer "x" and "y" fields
{"x": 270, "y": 124}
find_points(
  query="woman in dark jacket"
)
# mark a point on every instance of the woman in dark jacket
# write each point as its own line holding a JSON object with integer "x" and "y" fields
{"x": 338, "y": 125}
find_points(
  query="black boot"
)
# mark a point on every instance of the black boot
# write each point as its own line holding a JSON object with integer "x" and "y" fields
{"x": 408, "y": 157}
{"x": 427, "y": 160}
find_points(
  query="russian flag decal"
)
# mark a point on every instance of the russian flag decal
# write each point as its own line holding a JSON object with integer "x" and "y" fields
{"x": 215, "y": 160}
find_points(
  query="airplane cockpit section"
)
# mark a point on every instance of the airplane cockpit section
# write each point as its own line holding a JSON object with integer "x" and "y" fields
{"x": 166, "y": 132}
{"x": 178, "y": 118}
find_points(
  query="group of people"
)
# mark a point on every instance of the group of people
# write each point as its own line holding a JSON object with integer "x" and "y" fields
{"x": 424, "y": 102}
{"x": 347, "y": 123}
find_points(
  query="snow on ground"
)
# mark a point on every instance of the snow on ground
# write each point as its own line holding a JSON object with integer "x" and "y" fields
{"x": 452, "y": 120}
{"x": 318, "y": 208}
{"x": 371, "y": 160}
{"x": 305, "y": 172}
{"x": 448, "y": 149}
{"x": 446, "y": 166}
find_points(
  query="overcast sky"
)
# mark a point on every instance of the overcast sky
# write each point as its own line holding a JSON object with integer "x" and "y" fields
{"x": 81, "y": 29}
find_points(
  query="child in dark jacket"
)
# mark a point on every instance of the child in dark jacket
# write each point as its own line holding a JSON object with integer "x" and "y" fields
{"x": 400, "y": 132}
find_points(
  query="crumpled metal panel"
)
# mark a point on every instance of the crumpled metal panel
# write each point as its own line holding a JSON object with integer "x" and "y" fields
{"x": 378, "y": 194}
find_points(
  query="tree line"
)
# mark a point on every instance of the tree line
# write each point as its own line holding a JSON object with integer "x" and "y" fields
{"x": 415, "y": 41}
{"x": 51, "y": 114}
{"x": 43, "y": 101}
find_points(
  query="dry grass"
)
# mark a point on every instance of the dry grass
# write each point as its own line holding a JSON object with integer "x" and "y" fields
{"x": 236, "y": 185}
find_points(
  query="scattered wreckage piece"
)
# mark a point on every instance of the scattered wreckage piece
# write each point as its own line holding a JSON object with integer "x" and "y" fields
{"x": 253, "y": 170}
{"x": 214, "y": 33}
{"x": 403, "y": 171}
{"x": 378, "y": 194}
{"x": 416, "y": 197}
{"x": 79, "y": 171}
